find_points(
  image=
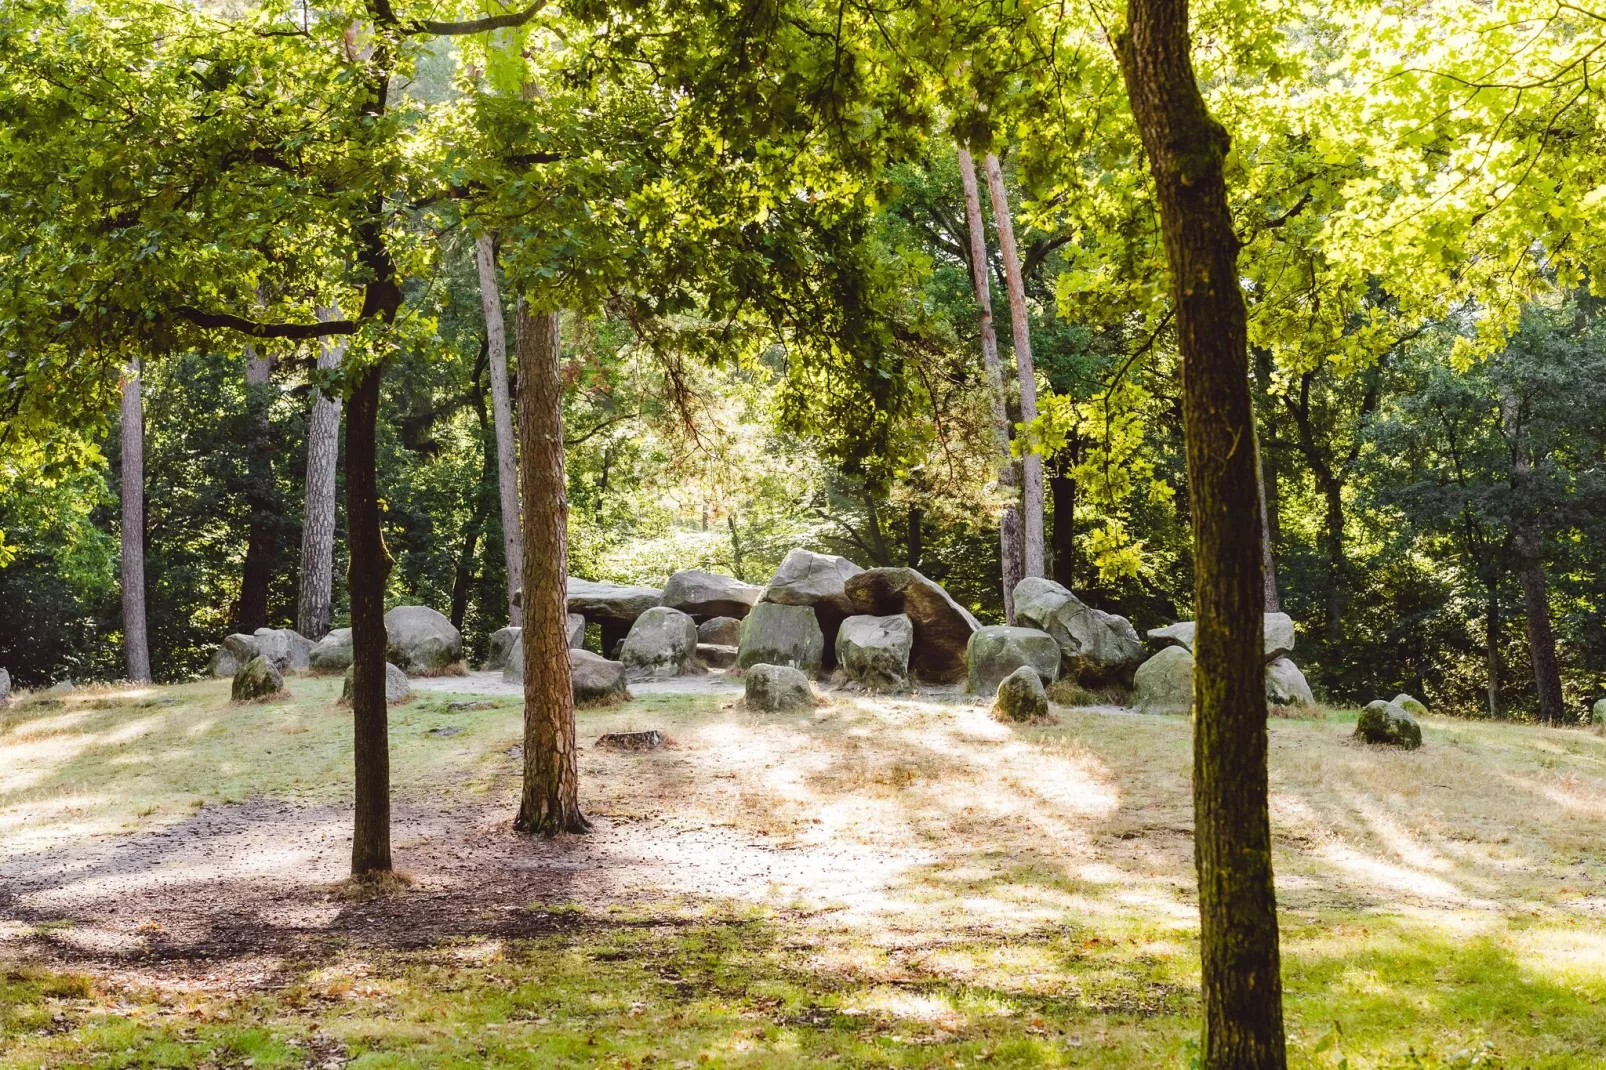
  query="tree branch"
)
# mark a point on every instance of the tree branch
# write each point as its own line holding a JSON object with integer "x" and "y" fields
{"x": 256, "y": 329}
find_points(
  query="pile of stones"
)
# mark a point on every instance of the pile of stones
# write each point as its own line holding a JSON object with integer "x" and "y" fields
{"x": 1164, "y": 683}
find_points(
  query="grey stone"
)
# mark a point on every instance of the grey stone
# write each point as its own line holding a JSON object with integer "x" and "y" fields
{"x": 61, "y": 687}
{"x": 397, "y": 689}
{"x": 806, "y": 578}
{"x": 577, "y": 630}
{"x": 233, "y": 653}
{"x": 1021, "y": 696}
{"x": 1278, "y": 630}
{"x": 704, "y": 595}
{"x": 223, "y": 664}
{"x": 1120, "y": 625}
{"x": 1597, "y": 713}
{"x": 1164, "y": 683}
{"x": 421, "y": 640}
{"x": 662, "y": 642}
{"x": 1178, "y": 634}
{"x": 779, "y": 634}
{"x": 1384, "y": 722}
{"x": 287, "y": 648}
{"x": 1286, "y": 685}
{"x": 595, "y": 678}
{"x": 998, "y": 650}
{"x": 503, "y": 640}
{"x": 5, "y": 686}
{"x": 725, "y": 631}
{"x": 717, "y": 655}
{"x": 1092, "y": 651}
{"x": 875, "y": 651}
{"x": 651, "y": 739}
{"x": 942, "y": 626}
{"x": 332, "y": 653}
{"x": 777, "y": 688}
{"x": 257, "y": 678}
{"x": 1409, "y": 705}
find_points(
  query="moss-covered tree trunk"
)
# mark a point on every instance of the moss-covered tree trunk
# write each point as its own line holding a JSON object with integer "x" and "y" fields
{"x": 136, "y": 645}
{"x": 1240, "y": 972}
{"x": 551, "y": 798}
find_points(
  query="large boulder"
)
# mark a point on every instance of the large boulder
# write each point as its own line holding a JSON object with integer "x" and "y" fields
{"x": 232, "y": 654}
{"x": 1286, "y": 686}
{"x": 942, "y": 626}
{"x": 1178, "y": 634}
{"x": 285, "y": 647}
{"x": 1021, "y": 696}
{"x": 397, "y": 689}
{"x": 721, "y": 631}
{"x": 704, "y": 595}
{"x": 1409, "y": 705}
{"x": 1384, "y": 722}
{"x": 662, "y": 642}
{"x": 818, "y": 581}
{"x": 1093, "y": 648}
{"x": 332, "y": 653}
{"x": 1278, "y": 633}
{"x": 503, "y": 640}
{"x": 718, "y": 655}
{"x": 875, "y": 651}
{"x": 257, "y": 678}
{"x": 1164, "y": 683}
{"x": 777, "y": 689}
{"x": 777, "y": 634}
{"x": 613, "y": 607}
{"x": 595, "y": 679}
{"x": 998, "y": 650}
{"x": 421, "y": 641}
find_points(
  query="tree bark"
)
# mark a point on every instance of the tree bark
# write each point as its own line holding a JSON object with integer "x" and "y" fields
{"x": 1530, "y": 569}
{"x": 913, "y": 546}
{"x": 314, "y": 605}
{"x": 472, "y": 530}
{"x": 366, "y": 579}
{"x": 1491, "y": 626}
{"x": 1064, "y": 488}
{"x": 136, "y": 645}
{"x": 551, "y": 797}
{"x": 1021, "y": 329}
{"x": 1009, "y": 541}
{"x": 1240, "y": 967}
{"x": 1267, "y": 565}
{"x": 261, "y": 496}
{"x": 502, "y": 415}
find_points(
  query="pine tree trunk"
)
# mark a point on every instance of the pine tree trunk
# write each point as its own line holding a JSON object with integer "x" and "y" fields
{"x": 1240, "y": 970}
{"x": 507, "y": 478}
{"x": 1267, "y": 565}
{"x": 314, "y": 606}
{"x": 913, "y": 541}
{"x": 1525, "y": 546}
{"x": 1337, "y": 560}
{"x": 260, "y": 495}
{"x": 136, "y": 646}
{"x": 1021, "y": 329}
{"x": 1009, "y": 541}
{"x": 366, "y": 579}
{"x": 1064, "y": 489}
{"x": 551, "y": 798}
{"x": 1491, "y": 625}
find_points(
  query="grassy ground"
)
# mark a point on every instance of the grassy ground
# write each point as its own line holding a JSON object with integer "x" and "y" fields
{"x": 878, "y": 883}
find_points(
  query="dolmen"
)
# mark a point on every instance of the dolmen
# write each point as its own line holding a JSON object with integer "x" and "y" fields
{"x": 1164, "y": 683}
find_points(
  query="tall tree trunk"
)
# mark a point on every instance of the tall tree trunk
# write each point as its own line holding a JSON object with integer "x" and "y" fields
{"x": 1240, "y": 963}
{"x": 1337, "y": 561}
{"x": 507, "y": 479}
{"x": 913, "y": 542}
{"x": 1009, "y": 540}
{"x": 366, "y": 579}
{"x": 551, "y": 798}
{"x": 1525, "y": 546}
{"x": 136, "y": 646}
{"x": 736, "y": 543}
{"x": 1267, "y": 565}
{"x": 464, "y": 579}
{"x": 878, "y": 538}
{"x": 261, "y": 496}
{"x": 1021, "y": 329}
{"x": 1064, "y": 488}
{"x": 1491, "y": 627}
{"x": 314, "y": 604}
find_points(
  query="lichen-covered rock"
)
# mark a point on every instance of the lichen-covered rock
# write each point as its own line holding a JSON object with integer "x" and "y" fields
{"x": 595, "y": 679}
{"x": 285, "y": 647}
{"x": 777, "y": 688}
{"x": 779, "y": 634}
{"x": 1597, "y": 713}
{"x": 1286, "y": 685}
{"x": 717, "y": 655}
{"x": 704, "y": 595}
{"x": 874, "y": 651}
{"x": 1409, "y": 705}
{"x": 998, "y": 650}
{"x": 503, "y": 640}
{"x": 397, "y": 689}
{"x": 257, "y": 678}
{"x": 421, "y": 640}
{"x": 577, "y": 630}
{"x": 332, "y": 653}
{"x": 1092, "y": 650}
{"x": 1278, "y": 633}
{"x": 5, "y": 686}
{"x": 1021, "y": 696}
{"x": 1384, "y": 722}
{"x": 1178, "y": 634}
{"x": 232, "y": 654}
{"x": 942, "y": 626}
{"x": 806, "y": 578}
{"x": 61, "y": 687}
{"x": 662, "y": 643}
{"x": 722, "y": 631}
{"x": 1164, "y": 683}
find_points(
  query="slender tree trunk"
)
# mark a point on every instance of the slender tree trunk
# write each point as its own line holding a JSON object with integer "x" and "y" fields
{"x": 1267, "y": 565}
{"x": 314, "y": 604}
{"x": 507, "y": 479}
{"x": 1491, "y": 627}
{"x": 1021, "y": 329}
{"x": 1064, "y": 488}
{"x": 366, "y": 579}
{"x": 915, "y": 549}
{"x": 1337, "y": 561}
{"x": 1240, "y": 965}
{"x": 136, "y": 647}
{"x": 464, "y": 580}
{"x": 261, "y": 496}
{"x": 1009, "y": 540}
{"x": 878, "y": 539}
{"x": 551, "y": 798}
{"x": 736, "y": 544}
{"x": 1530, "y": 565}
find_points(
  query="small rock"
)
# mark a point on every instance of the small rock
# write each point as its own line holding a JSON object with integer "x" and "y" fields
{"x": 779, "y": 634}
{"x": 5, "y": 685}
{"x": 998, "y": 650}
{"x": 721, "y": 631}
{"x": 332, "y": 653}
{"x": 1164, "y": 683}
{"x": 479, "y": 705}
{"x": 1021, "y": 696}
{"x": 1409, "y": 705}
{"x": 717, "y": 655}
{"x": 61, "y": 687}
{"x": 1178, "y": 634}
{"x": 595, "y": 679}
{"x": 449, "y": 730}
{"x": 875, "y": 651}
{"x": 662, "y": 643}
{"x": 777, "y": 688}
{"x": 648, "y": 740}
{"x": 397, "y": 689}
{"x": 1384, "y": 722}
{"x": 1286, "y": 685}
{"x": 1597, "y": 714}
{"x": 257, "y": 678}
